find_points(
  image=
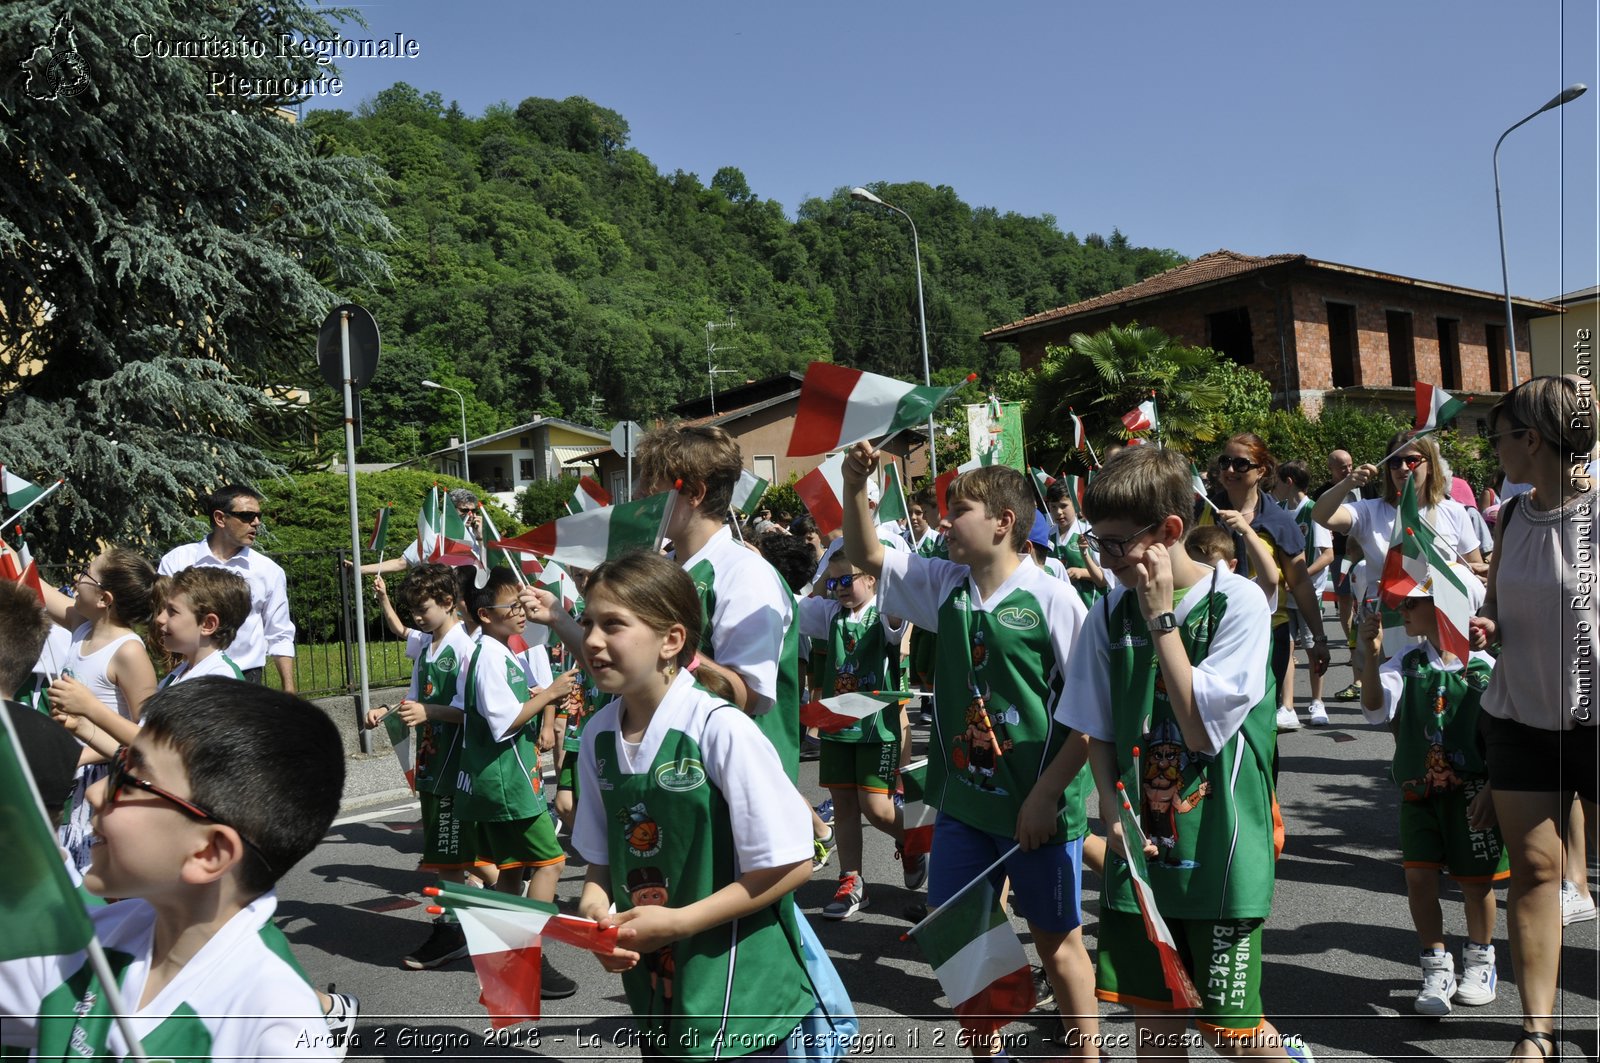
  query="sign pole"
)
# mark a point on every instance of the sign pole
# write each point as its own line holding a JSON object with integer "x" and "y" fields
{"x": 355, "y": 530}
{"x": 627, "y": 436}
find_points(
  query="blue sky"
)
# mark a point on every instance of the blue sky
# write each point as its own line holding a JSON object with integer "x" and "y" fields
{"x": 1359, "y": 132}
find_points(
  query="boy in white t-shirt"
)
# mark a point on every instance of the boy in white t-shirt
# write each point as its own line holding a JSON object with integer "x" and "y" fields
{"x": 225, "y": 788}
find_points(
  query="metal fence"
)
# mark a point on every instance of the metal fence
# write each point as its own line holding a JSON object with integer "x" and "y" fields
{"x": 322, "y": 605}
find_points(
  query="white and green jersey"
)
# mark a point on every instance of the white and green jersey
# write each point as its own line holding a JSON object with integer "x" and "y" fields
{"x": 436, "y": 679}
{"x": 1000, "y": 667}
{"x": 1071, "y": 549}
{"x": 216, "y": 663}
{"x": 698, "y": 802}
{"x": 750, "y": 627}
{"x": 1435, "y": 705}
{"x": 857, "y": 657}
{"x": 1208, "y": 811}
{"x": 235, "y": 999}
{"x": 498, "y": 778}
{"x": 930, "y": 545}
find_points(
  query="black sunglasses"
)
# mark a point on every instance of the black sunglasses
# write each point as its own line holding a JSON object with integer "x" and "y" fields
{"x": 834, "y": 583}
{"x": 1409, "y": 461}
{"x": 1115, "y": 547}
{"x": 119, "y": 777}
{"x": 1237, "y": 464}
{"x": 245, "y": 516}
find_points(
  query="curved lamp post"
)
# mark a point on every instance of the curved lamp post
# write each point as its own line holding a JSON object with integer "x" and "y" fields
{"x": 864, "y": 196}
{"x": 1570, "y": 93}
{"x": 465, "y": 474}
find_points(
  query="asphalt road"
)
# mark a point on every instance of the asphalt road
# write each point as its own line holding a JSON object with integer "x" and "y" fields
{"x": 1340, "y": 953}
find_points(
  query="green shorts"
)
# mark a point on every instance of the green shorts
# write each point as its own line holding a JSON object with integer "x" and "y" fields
{"x": 519, "y": 842}
{"x": 1434, "y": 833}
{"x": 1229, "y": 981}
{"x": 567, "y": 777}
{"x": 924, "y": 651}
{"x": 445, "y": 837}
{"x": 869, "y": 766}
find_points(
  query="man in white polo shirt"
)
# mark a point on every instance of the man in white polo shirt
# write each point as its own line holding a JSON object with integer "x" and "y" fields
{"x": 235, "y": 513}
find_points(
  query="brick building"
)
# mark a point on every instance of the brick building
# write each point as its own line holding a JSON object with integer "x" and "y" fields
{"x": 1309, "y": 327}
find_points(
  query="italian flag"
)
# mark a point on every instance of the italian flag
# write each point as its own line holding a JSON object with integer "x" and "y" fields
{"x": 1414, "y": 567}
{"x": 441, "y": 533}
{"x": 1173, "y": 972}
{"x": 1142, "y": 418}
{"x": 1041, "y": 483}
{"x": 1080, "y": 438}
{"x": 405, "y": 751}
{"x": 748, "y": 491}
{"x": 941, "y": 488}
{"x": 588, "y": 496}
{"x": 587, "y": 539}
{"x": 978, "y": 960}
{"x": 893, "y": 506}
{"x": 19, "y": 568}
{"x": 19, "y": 492}
{"x": 917, "y": 814}
{"x": 1075, "y": 486}
{"x": 846, "y": 710}
{"x": 379, "y": 539}
{"x": 1435, "y": 407}
{"x": 822, "y": 491}
{"x": 840, "y": 406}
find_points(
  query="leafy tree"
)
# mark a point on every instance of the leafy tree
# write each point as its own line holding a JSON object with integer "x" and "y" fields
{"x": 546, "y": 500}
{"x": 166, "y": 249}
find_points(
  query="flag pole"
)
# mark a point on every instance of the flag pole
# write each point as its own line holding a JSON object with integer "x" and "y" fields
{"x": 494, "y": 536}
{"x": 733, "y": 519}
{"x": 1155, "y": 410}
{"x": 666, "y": 514}
{"x": 1007, "y": 855}
{"x": 48, "y": 491}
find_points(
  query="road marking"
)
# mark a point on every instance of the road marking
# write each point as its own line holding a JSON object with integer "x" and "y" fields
{"x": 386, "y": 812}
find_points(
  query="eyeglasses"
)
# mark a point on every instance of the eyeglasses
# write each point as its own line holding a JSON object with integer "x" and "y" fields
{"x": 120, "y": 778}
{"x": 510, "y": 607}
{"x": 1407, "y": 462}
{"x": 1410, "y": 603}
{"x": 1115, "y": 547}
{"x": 470, "y": 511}
{"x": 86, "y": 578}
{"x": 245, "y": 516}
{"x": 834, "y": 583}
{"x": 1237, "y": 464}
{"x": 1495, "y": 437}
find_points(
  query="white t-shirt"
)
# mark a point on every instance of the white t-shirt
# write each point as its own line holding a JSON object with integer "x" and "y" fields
{"x": 816, "y": 618}
{"x": 753, "y": 609}
{"x": 770, "y": 824}
{"x": 1227, "y": 683}
{"x": 235, "y": 999}
{"x": 214, "y": 663}
{"x": 1372, "y": 525}
{"x": 463, "y": 644}
{"x": 417, "y": 642}
{"x": 497, "y": 702}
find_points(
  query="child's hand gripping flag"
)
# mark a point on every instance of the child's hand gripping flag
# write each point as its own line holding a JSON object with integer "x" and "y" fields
{"x": 847, "y": 710}
{"x": 1415, "y": 567}
{"x": 840, "y": 406}
{"x": 1184, "y": 994}
{"x": 586, "y": 539}
{"x": 505, "y": 936}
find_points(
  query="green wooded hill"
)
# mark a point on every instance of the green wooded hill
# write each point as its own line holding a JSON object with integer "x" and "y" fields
{"x": 542, "y": 266}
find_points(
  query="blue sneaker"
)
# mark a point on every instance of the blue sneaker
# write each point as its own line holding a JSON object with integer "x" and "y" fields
{"x": 825, "y": 811}
{"x": 1296, "y": 1048}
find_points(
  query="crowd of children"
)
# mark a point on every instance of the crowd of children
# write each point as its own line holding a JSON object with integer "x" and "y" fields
{"x": 1127, "y": 641}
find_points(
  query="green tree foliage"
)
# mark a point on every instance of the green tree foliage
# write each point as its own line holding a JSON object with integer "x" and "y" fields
{"x": 1200, "y": 396}
{"x": 168, "y": 254}
{"x": 544, "y": 501}
{"x": 545, "y": 266}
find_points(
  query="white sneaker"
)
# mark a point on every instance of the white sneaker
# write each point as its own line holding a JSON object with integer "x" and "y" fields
{"x": 1319, "y": 714}
{"x": 1478, "y": 976}
{"x": 1575, "y": 908}
{"x": 1287, "y": 720}
{"x": 1438, "y": 983}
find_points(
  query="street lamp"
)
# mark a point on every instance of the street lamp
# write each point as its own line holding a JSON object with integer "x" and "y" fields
{"x": 1570, "y": 93}
{"x": 465, "y": 474}
{"x": 922, "y": 313}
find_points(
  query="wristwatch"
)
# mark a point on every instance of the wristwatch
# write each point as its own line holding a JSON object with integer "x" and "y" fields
{"x": 1167, "y": 621}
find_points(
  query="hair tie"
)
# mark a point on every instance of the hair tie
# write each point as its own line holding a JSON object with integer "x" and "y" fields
{"x": 694, "y": 662}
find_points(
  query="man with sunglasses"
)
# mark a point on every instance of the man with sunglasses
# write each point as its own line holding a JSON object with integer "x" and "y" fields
{"x": 235, "y": 515}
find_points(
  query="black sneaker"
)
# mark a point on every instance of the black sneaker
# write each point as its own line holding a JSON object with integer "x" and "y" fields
{"x": 553, "y": 985}
{"x": 341, "y": 1018}
{"x": 1044, "y": 994}
{"x": 446, "y": 942}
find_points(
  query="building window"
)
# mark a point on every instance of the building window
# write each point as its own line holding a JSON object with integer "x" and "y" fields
{"x": 1343, "y": 357}
{"x": 524, "y": 469}
{"x": 1494, "y": 338}
{"x": 619, "y": 486}
{"x": 1229, "y": 331}
{"x": 1449, "y": 353}
{"x": 1402, "y": 348}
{"x": 766, "y": 467}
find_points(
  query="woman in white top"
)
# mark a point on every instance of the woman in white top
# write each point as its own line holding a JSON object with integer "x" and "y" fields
{"x": 1540, "y": 713}
{"x": 1369, "y": 522}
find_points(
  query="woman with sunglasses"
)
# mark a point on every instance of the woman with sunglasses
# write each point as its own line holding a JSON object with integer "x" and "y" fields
{"x": 1247, "y": 471}
{"x": 1370, "y": 521}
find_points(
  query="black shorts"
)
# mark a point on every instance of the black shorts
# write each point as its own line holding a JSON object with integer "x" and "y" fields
{"x": 1532, "y": 759}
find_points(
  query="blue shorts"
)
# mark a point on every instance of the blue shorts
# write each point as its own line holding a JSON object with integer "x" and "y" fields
{"x": 1046, "y": 884}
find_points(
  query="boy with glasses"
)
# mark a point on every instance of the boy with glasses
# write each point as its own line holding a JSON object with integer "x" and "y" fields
{"x": 235, "y": 515}
{"x": 1169, "y": 683}
{"x": 227, "y": 786}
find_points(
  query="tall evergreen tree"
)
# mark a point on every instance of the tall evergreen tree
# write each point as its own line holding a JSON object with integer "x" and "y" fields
{"x": 167, "y": 254}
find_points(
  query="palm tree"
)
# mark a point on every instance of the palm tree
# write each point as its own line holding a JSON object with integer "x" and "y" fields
{"x": 1102, "y": 376}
